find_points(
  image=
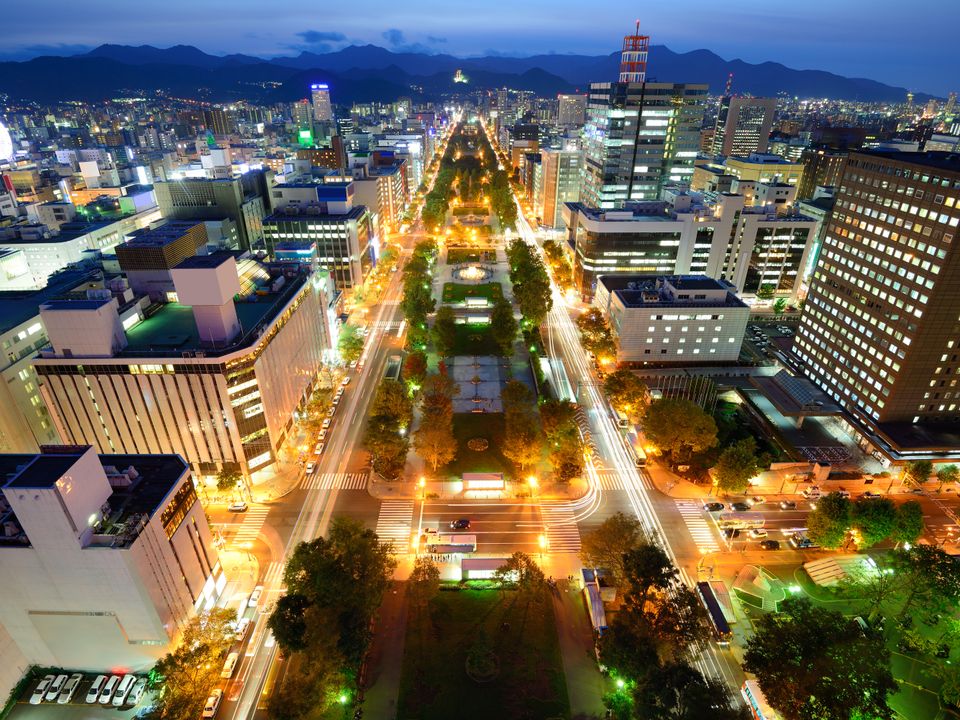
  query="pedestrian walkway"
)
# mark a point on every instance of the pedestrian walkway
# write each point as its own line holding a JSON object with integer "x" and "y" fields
{"x": 395, "y": 523}
{"x": 692, "y": 514}
{"x": 273, "y": 575}
{"x": 253, "y": 520}
{"x": 562, "y": 532}
{"x": 340, "y": 481}
{"x": 613, "y": 480}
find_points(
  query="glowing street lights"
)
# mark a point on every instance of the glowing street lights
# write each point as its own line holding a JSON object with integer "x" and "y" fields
{"x": 532, "y": 482}
{"x": 423, "y": 488}
{"x": 544, "y": 545}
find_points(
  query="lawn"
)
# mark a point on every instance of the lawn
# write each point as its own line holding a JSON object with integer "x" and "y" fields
{"x": 455, "y": 256}
{"x": 474, "y": 340}
{"x": 434, "y": 684}
{"x": 459, "y": 292}
{"x": 488, "y": 426}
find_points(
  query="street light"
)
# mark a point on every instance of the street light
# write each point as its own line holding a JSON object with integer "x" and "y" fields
{"x": 544, "y": 544}
{"x": 532, "y": 482}
{"x": 423, "y": 487}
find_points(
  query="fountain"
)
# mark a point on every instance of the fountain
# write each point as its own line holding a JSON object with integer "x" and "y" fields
{"x": 472, "y": 273}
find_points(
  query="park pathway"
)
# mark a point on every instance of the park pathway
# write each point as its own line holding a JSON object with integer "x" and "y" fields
{"x": 585, "y": 684}
{"x": 385, "y": 660}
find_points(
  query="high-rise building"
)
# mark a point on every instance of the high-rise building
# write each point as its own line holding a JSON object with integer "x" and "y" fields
{"x": 322, "y": 109}
{"x": 743, "y": 125}
{"x": 821, "y": 168}
{"x": 559, "y": 184}
{"x": 880, "y": 328}
{"x": 214, "y": 377}
{"x": 571, "y": 110}
{"x": 105, "y": 558}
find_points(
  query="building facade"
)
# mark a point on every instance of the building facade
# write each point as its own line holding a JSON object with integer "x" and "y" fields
{"x": 743, "y": 125}
{"x": 559, "y": 184}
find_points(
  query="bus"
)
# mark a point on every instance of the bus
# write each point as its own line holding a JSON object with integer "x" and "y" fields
{"x": 635, "y": 449}
{"x": 756, "y": 702}
{"x": 436, "y": 544}
{"x": 721, "y": 629}
{"x": 740, "y": 520}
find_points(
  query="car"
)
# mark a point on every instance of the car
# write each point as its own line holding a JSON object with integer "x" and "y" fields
{"x": 869, "y": 495}
{"x": 106, "y": 695}
{"x": 41, "y": 690}
{"x": 318, "y": 448}
{"x": 229, "y": 665}
{"x": 756, "y": 500}
{"x": 238, "y": 507}
{"x": 460, "y": 524}
{"x": 788, "y": 505}
{"x": 757, "y": 533}
{"x": 123, "y": 689}
{"x": 740, "y": 506}
{"x": 212, "y": 703}
{"x": 95, "y": 687}
{"x": 255, "y": 596}
{"x": 326, "y": 423}
{"x": 331, "y": 411}
{"x": 843, "y": 493}
{"x": 345, "y": 381}
{"x": 69, "y": 689}
{"x": 353, "y": 364}
{"x": 713, "y": 506}
{"x": 241, "y": 630}
{"x": 731, "y": 533}
{"x": 311, "y": 466}
{"x": 322, "y": 435}
{"x": 770, "y": 544}
{"x": 136, "y": 692}
{"x": 55, "y": 687}
{"x": 802, "y": 542}
{"x": 336, "y": 400}
{"x": 811, "y": 493}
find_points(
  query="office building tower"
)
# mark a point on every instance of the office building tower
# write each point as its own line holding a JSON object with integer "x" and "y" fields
{"x": 559, "y": 184}
{"x": 243, "y": 199}
{"x": 743, "y": 125}
{"x": 571, "y": 110}
{"x": 218, "y": 121}
{"x": 105, "y": 558}
{"x": 215, "y": 376}
{"x": 322, "y": 109}
{"x": 821, "y": 168}
{"x": 302, "y": 114}
{"x": 880, "y": 329}
{"x": 147, "y": 259}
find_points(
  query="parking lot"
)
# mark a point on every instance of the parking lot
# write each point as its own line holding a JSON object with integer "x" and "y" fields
{"x": 762, "y": 339}
{"x": 76, "y": 709}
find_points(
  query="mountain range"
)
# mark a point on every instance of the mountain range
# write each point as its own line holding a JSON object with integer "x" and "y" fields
{"x": 361, "y": 73}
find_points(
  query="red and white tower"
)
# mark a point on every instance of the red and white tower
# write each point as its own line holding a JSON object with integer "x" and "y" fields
{"x": 633, "y": 59}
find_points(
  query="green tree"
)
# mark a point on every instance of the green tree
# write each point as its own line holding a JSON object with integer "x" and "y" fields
{"x": 918, "y": 471}
{"x": 874, "y": 519}
{"x": 192, "y": 670}
{"x": 606, "y": 545}
{"x": 908, "y": 524}
{"x": 516, "y": 397}
{"x": 228, "y": 479}
{"x": 565, "y": 453}
{"x": 415, "y": 367}
{"x": 829, "y": 523}
{"x": 435, "y": 442}
{"x": 523, "y": 442}
{"x": 557, "y": 416}
{"x": 503, "y": 326}
{"x": 765, "y": 292}
{"x": 386, "y": 433}
{"x": 445, "y": 330}
{"x": 738, "y": 463}
{"x": 627, "y": 393}
{"x": 424, "y": 581}
{"x": 595, "y": 335}
{"x": 931, "y": 578}
{"x": 350, "y": 343}
{"x": 678, "y": 691}
{"x": 522, "y": 571}
{"x": 948, "y": 474}
{"x": 649, "y": 572}
{"x": 679, "y": 427}
{"x": 779, "y": 306}
{"x": 392, "y": 401}
{"x": 814, "y": 663}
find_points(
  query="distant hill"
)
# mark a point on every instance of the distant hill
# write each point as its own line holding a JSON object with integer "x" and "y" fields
{"x": 368, "y": 72}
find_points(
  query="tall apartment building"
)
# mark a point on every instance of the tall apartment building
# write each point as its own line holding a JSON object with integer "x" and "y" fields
{"x": 215, "y": 376}
{"x": 324, "y": 213}
{"x": 322, "y": 109}
{"x": 559, "y": 184}
{"x": 571, "y": 110}
{"x": 104, "y": 558}
{"x": 881, "y": 326}
{"x": 243, "y": 199}
{"x": 743, "y": 125}
{"x": 639, "y": 138}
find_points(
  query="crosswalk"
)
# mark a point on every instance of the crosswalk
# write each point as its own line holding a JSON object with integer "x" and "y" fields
{"x": 395, "y": 523}
{"x": 340, "y": 481}
{"x": 562, "y": 532}
{"x": 273, "y": 576}
{"x": 613, "y": 480}
{"x": 692, "y": 514}
{"x": 253, "y": 520}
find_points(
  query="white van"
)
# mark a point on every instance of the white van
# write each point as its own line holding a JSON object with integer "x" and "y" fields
{"x": 123, "y": 689}
{"x": 106, "y": 695}
{"x": 229, "y": 665}
{"x": 95, "y": 687}
{"x": 136, "y": 693}
{"x": 66, "y": 695}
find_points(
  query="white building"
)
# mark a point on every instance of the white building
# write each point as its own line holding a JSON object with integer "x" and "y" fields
{"x": 322, "y": 110}
{"x": 674, "y": 319}
{"x": 214, "y": 377}
{"x": 104, "y": 558}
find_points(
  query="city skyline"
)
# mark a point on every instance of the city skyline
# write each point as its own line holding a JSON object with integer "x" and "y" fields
{"x": 839, "y": 38}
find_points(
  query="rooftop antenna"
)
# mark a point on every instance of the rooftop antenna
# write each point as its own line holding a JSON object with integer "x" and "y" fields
{"x": 726, "y": 92}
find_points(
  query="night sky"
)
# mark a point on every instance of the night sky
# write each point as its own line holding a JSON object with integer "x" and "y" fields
{"x": 910, "y": 44}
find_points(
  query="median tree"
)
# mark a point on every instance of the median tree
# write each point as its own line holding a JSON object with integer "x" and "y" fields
{"x": 908, "y": 523}
{"x": 814, "y": 663}
{"x": 874, "y": 519}
{"x": 606, "y": 545}
{"x": 595, "y": 335}
{"x": 415, "y": 367}
{"x": 829, "y": 523}
{"x": 627, "y": 393}
{"x": 679, "y": 427}
{"x": 738, "y": 463}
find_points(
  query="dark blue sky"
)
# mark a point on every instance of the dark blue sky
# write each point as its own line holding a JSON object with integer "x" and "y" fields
{"x": 912, "y": 44}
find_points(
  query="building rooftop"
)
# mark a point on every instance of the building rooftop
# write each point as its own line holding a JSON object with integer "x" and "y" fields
{"x": 213, "y": 260}
{"x": 158, "y": 474}
{"x": 41, "y": 472}
{"x": 939, "y": 160}
{"x": 313, "y": 212}
{"x": 637, "y": 291}
{"x": 167, "y": 233}
{"x": 18, "y": 306}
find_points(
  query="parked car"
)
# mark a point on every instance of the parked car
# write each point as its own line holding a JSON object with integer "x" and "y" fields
{"x": 731, "y": 533}
{"x": 740, "y": 506}
{"x": 238, "y": 507}
{"x": 106, "y": 695}
{"x": 55, "y": 687}
{"x": 95, "y": 687}
{"x": 69, "y": 689}
{"x": 322, "y": 435}
{"x": 460, "y": 524}
{"x": 229, "y": 665}
{"x": 788, "y": 505}
{"x": 811, "y": 493}
{"x": 802, "y": 542}
{"x": 756, "y": 500}
{"x": 136, "y": 692}
{"x": 843, "y": 493}
{"x": 869, "y": 494}
{"x": 770, "y": 544}
{"x": 332, "y": 410}
{"x": 758, "y": 533}
{"x": 345, "y": 381}
{"x": 255, "y": 596}
{"x": 123, "y": 689}
{"x": 212, "y": 703}
{"x": 41, "y": 690}
{"x": 311, "y": 466}
{"x": 326, "y": 423}
{"x": 241, "y": 630}
{"x": 713, "y": 507}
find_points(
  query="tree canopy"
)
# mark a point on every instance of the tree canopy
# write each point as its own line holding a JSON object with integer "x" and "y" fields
{"x": 679, "y": 427}
{"x": 350, "y": 343}
{"x": 606, "y": 545}
{"x": 445, "y": 330}
{"x": 828, "y": 524}
{"x": 738, "y": 463}
{"x": 627, "y": 393}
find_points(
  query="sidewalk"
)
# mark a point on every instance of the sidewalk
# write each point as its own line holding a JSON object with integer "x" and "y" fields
{"x": 278, "y": 480}
{"x": 673, "y": 485}
{"x": 585, "y": 684}
{"x": 385, "y": 659}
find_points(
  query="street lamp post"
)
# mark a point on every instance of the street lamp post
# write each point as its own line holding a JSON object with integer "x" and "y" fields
{"x": 532, "y": 482}
{"x": 423, "y": 488}
{"x": 544, "y": 545}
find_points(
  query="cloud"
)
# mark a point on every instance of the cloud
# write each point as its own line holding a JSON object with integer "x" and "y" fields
{"x": 436, "y": 40}
{"x": 316, "y": 37}
{"x": 394, "y": 37}
{"x": 397, "y": 42}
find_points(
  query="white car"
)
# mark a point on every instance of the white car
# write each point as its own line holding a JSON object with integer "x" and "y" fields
{"x": 311, "y": 466}
{"x": 255, "y": 596}
{"x": 55, "y": 687}
{"x": 41, "y": 689}
{"x": 326, "y": 423}
{"x": 758, "y": 533}
{"x": 230, "y": 665}
{"x": 136, "y": 693}
{"x": 318, "y": 450}
{"x": 123, "y": 689}
{"x": 106, "y": 695}
{"x": 345, "y": 381}
{"x": 238, "y": 507}
{"x": 95, "y": 687}
{"x": 242, "y": 626}
{"x": 213, "y": 702}
{"x": 66, "y": 695}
